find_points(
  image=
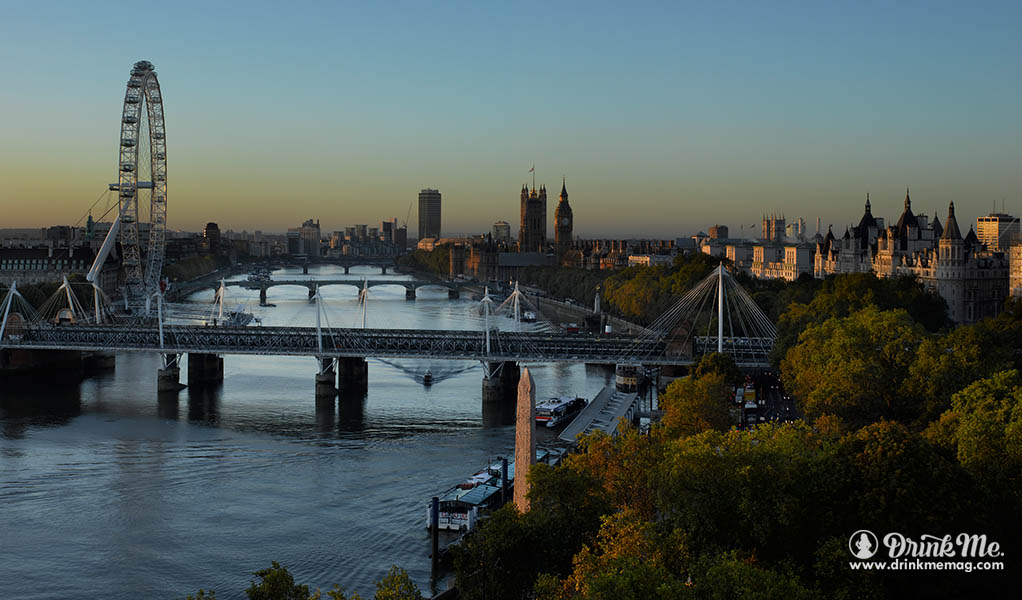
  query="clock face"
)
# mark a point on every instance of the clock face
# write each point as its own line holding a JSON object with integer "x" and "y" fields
{"x": 565, "y": 221}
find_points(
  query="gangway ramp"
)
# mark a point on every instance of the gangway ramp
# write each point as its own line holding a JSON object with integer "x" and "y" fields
{"x": 603, "y": 413}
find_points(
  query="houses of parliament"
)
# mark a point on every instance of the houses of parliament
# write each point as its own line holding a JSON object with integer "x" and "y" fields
{"x": 532, "y": 232}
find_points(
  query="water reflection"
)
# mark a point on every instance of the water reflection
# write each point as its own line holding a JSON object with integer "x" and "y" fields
{"x": 204, "y": 403}
{"x": 25, "y": 404}
{"x": 168, "y": 406}
{"x": 351, "y": 408}
{"x": 499, "y": 413}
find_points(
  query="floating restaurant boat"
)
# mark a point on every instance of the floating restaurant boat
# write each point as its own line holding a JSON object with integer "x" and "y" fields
{"x": 463, "y": 505}
{"x": 558, "y": 411}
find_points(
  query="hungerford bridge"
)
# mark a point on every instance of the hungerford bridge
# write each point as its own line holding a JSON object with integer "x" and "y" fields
{"x": 62, "y": 324}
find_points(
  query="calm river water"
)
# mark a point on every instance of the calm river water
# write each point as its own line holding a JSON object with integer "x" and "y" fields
{"x": 104, "y": 490}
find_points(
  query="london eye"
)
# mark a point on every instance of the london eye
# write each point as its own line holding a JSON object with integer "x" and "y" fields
{"x": 141, "y": 187}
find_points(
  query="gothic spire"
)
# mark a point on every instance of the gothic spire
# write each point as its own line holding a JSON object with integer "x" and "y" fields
{"x": 951, "y": 231}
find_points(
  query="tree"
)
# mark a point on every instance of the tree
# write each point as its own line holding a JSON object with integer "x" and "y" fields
{"x": 566, "y": 505}
{"x": 696, "y": 403}
{"x": 854, "y": 367}
{"x": 842, "y": 295}
{"x": 397, "y": 585}
{"x": 630, "y": 560}
{"x": 624, "y": 465}
{"x": 984, "y": 428}
{"x": 499, "y": 560}
{"x": 720, "y": 363}
{"x": 731, "y": 577}
{"x": 946, "y": 364}
{"x": 276, "y": 583}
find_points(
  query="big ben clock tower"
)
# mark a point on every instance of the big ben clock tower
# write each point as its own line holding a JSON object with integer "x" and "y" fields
{"x": 563, "y": 223}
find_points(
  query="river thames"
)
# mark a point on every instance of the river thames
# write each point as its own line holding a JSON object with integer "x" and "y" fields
{"x": 106, "y": 489}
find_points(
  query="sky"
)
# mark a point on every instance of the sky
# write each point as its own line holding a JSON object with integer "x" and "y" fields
{"x": 664, "y": 118}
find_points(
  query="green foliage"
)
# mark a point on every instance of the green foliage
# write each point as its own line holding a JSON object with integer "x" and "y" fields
{"x": 396, "y": 585}
{"x": 564, "y": 282}
{"x": 436, "y": 261}
{"x": 276, "y": 583}
{"x": 196, "y": 266}
{"x": 729, "y": 577}
{"x": 499, "y": 560}
{"x": 854, "y": 367}
{"x": 984, "y": 428}
{"x": 697, "y": 403}
{"x": 946, "y": 364}
{"x": 841, "y": 295}
{"x": 631, "y": 559}
{"x": 642, "y": 294}
{"x": 719, "y": 363}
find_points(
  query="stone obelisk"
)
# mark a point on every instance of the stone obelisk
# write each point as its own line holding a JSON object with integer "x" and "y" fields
{"x": 525, "y": 438}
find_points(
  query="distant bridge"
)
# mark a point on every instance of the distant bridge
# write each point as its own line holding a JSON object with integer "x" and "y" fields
{"x": 411, "y": 285}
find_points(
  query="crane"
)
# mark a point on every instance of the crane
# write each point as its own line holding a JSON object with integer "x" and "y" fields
{"x": 407, "y": 215}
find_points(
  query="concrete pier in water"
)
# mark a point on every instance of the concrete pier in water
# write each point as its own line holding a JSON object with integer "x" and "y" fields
{"x": 326, "y": 382}
{"x": 168, "y": 379}
{"x": 352, "y": 373}
{"x": 205, "y": 369}
{"x": 500, "y": 381}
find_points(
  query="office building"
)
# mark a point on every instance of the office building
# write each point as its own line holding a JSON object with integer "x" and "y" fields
{"x": 429, "y": 213}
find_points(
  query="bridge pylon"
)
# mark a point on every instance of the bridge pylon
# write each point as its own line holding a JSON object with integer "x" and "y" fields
{"x": 716, "y": 315}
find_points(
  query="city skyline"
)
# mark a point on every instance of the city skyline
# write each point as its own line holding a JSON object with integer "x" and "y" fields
{"x": 686, "y": 115}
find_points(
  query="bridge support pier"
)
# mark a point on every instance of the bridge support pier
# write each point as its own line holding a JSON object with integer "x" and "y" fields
{"x": 347, "y": 269}
{"x": 500, "y": 381}
{"x": 453, "y": 294}
{"x": 168, "y": 379}
{"x": 326, "y": 388}
{"x": 384, "y": 269}
{"x": 352, "y": 373}
{"x": 312, "y": 294}
{"x": 205, "y": 368}
{"x": 262, "y": 296}
{"x": 409, "y": 293}
{"x": 305, "y": 268}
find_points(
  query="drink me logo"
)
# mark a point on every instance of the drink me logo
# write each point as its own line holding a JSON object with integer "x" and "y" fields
{"x": 964, "y": 552}
{"x": 863, "y": 544}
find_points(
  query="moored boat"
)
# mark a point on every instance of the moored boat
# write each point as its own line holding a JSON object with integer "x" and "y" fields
{"x": 463, "y": 505}
{"x": 558, "y": 411}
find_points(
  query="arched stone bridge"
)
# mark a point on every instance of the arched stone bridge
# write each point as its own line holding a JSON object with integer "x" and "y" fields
{"x": 411, "y": 285}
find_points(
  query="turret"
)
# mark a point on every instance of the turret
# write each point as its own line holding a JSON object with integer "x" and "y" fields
{"x": 951, "y": 245}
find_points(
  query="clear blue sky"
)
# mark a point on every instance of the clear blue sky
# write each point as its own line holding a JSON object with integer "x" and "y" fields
{"x": 665, "y": 118}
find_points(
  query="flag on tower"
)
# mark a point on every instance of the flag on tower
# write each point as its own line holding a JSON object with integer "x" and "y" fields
{"x": 533, "y": 169}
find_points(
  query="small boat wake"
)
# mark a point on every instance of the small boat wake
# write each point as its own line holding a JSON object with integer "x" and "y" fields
{"x": 428, "y": 374}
